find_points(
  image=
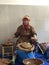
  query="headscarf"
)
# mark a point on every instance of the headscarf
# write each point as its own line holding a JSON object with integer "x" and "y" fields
{"x": 26, "y": 26}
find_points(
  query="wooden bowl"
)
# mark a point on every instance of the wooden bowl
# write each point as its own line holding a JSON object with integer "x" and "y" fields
{"x": 32, "y": 62}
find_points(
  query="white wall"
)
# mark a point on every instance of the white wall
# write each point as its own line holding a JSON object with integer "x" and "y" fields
{"x": 24, "y": 2}
{"x": 11, "y": 17}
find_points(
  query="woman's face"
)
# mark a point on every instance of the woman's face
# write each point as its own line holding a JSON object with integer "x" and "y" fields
{"x": 25, "y": 22}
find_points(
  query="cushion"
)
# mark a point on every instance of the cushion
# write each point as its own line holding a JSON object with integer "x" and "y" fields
{"x": 43, "y": 47}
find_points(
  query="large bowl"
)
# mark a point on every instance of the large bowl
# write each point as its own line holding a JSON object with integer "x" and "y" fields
{"x": 26, "y": 47}
{"x": 32, "y": 62}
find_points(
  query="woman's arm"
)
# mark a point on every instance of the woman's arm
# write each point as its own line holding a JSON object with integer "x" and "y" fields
{"x": 34, "y": 38}
{"x": 18, "y": 31}
{"x": 11, "y": 38}
{"x": 16, "y": 34}
{"x": 33, "y": 34}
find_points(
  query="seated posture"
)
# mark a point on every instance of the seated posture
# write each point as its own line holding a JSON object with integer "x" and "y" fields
{"x": 25, "y": 33}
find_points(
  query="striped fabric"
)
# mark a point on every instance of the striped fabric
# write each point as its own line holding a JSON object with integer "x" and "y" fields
{"x": 43, "y": 46}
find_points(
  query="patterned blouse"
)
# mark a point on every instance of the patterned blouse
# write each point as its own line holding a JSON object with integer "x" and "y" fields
{"x": 24, "y": 35}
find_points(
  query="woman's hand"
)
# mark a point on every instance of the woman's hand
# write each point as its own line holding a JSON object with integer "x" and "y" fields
{"x": 11, "y": 38}
{"x": 34, "y": 38}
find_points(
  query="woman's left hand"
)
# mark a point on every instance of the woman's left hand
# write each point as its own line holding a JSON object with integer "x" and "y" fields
{"x": 34, "y": 38}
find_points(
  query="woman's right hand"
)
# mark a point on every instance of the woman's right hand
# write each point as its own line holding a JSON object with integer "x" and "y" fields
{"x": 11, "y": 38}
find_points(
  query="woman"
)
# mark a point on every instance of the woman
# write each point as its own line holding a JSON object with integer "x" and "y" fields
{"x": 25, "y": 32}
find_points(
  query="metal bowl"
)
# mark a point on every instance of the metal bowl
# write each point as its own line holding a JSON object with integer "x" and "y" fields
{"x": 32, "y": 62}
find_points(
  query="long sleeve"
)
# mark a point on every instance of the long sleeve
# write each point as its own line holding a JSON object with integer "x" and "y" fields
{"x": 33, "y": 32}
{"x": 17, "y": 32}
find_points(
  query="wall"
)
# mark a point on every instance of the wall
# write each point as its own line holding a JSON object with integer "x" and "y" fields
{"x": 11, "y": 17}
